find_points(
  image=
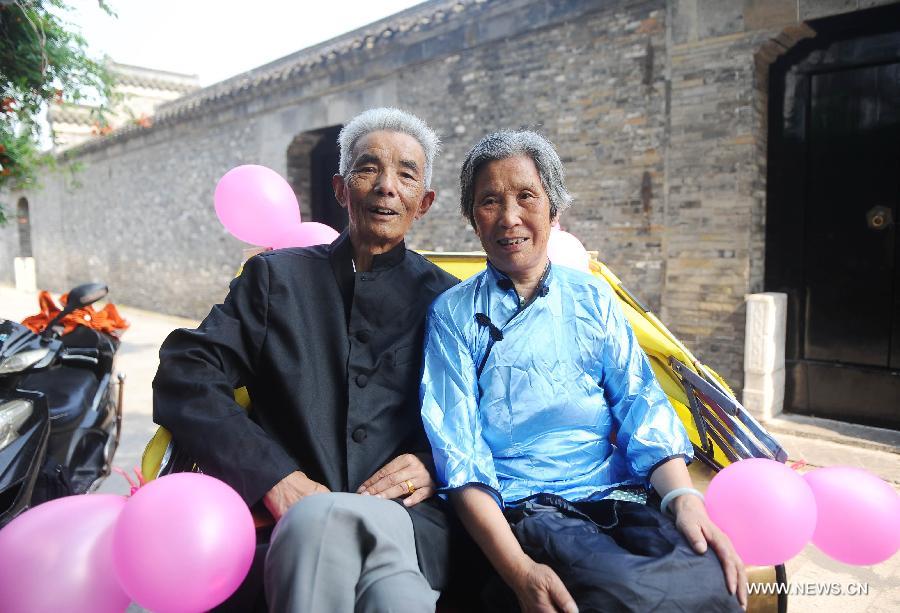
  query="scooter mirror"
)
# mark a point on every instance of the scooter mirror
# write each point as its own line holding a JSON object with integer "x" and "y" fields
{"x": 83, "y": 295}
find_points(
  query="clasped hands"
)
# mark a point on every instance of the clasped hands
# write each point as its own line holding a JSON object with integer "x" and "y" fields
{"x": 408, "y": 476}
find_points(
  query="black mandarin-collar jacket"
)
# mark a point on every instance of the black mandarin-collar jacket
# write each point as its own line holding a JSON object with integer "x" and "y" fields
{"x": 332, "y": 361}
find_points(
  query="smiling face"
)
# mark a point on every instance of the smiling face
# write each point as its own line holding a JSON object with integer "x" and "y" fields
{"x": 384, "y": 191}
{"x": 512, "y": 217}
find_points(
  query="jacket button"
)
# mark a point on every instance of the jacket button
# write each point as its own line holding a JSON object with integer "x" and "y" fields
{"x": 361, "y": 380}
{"x": 359, "y": 435}
{"x": 363, "y": 336}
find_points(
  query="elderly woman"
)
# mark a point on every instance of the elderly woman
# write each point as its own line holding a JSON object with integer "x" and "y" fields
{"x": 547, "y": 425}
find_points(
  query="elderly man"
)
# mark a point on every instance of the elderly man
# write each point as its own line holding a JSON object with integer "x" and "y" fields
{"x": 328, "y": 342}
{"x": 531, "y": 372}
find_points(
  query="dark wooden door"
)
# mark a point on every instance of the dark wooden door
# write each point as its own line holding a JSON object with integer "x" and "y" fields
{"x": 851, "y": 236}
{"x": 832, "y": 240}
{"x": 851, "y": 341}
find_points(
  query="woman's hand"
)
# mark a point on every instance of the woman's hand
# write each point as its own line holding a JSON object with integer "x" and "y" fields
{"x": 696, "y": 526}
{"x": 698, "y": 529}
{"x": 540, "y": 590}
{"x": 408, "y": 476}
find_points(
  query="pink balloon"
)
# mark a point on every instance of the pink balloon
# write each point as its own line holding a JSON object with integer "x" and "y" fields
{"x": 306, "y": 234}
{"x": 58, "y": 556}
{"x": 566, "y": 250}
{"x": 255, "y": 204}
{"x": 766, "y": 508}
{"x": 859, "y": 515}
{"x": 183, "y": 543}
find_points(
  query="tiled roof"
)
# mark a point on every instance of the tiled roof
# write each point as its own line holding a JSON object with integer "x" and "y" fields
{"x": 292, "y": 68}
{"x": 78, "y": 114}
{"x": 149, "y": 78}
{"x": 133, "y": 76}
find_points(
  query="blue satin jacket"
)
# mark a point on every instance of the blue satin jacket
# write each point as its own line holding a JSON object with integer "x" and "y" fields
{"x": 552, "y": 396}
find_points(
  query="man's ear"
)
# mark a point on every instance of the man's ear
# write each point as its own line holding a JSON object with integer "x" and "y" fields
{"x": 340, "y": 189}
{"x": 427, "y": 201}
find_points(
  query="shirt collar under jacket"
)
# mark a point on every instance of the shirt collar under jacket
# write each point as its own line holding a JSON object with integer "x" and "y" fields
{"x": 341, "y": 257}
{"x": 499, "y": 280}
{"x": 342, "y": 249}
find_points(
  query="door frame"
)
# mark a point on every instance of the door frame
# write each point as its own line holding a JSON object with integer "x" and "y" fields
{"x": 837, "y": 45}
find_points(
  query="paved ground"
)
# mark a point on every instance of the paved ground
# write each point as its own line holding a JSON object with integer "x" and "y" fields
{"x": 816, "y": 442}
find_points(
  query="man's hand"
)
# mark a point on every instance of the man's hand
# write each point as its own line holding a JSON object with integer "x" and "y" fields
{"x": 394, "y": 478}
{"x": 289, "y": 491}
{"x": 540, "y": 590}
{"x": 693, "y": 522}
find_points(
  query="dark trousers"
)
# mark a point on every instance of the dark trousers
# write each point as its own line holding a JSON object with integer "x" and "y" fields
{"x": 614, "y": 555}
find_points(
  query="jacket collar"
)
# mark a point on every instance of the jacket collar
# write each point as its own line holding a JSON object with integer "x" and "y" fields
{"x": 499, "y": 279}
{"x": 341, "y": 254}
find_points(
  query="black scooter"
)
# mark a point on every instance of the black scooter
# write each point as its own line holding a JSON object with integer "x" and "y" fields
{"x": 60, "y": 411}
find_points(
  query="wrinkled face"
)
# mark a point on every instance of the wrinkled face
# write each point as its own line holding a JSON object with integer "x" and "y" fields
{"x": 512, "y": 216}
{"x": 384, "y": 191}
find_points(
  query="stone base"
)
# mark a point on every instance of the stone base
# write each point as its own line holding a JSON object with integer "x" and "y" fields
{"x": 25, "y": 275}
{"x": 764, "y": 394}
{"x": 765, "y": 332}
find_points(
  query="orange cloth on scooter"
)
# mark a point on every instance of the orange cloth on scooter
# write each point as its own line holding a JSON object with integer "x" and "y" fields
{"x": 105, "y": 320}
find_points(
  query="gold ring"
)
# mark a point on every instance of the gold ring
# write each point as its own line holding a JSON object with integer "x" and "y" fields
{"x": 410, "y": 488}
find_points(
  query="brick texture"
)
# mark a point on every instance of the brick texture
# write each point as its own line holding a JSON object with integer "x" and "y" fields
{"x": 657, "y": 108}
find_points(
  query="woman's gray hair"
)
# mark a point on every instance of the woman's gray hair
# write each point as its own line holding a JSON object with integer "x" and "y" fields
{"x": 393, "y": 120}
{"x": 506, "y": 144}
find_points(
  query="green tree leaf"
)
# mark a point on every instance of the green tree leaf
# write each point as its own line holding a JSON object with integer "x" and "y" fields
{"x": 43, "y": 59}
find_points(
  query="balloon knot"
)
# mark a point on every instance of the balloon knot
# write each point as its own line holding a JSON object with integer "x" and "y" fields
{"x": 141, "y": 481}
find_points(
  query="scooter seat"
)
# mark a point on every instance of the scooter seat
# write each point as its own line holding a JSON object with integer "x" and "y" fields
{"x": 70, "y": 392}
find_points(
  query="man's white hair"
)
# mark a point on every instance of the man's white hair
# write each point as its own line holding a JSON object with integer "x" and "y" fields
{"x": 393, "y": 120}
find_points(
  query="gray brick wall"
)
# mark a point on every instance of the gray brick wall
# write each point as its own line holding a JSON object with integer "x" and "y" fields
{"x": 9, "y": 241}
{"x": 657, "y": 108}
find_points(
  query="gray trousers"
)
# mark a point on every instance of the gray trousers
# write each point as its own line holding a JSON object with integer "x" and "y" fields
{"x": 345, "y": 552}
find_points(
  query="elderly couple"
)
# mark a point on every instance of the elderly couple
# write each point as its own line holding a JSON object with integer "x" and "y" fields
{"x": 533, "y": 411}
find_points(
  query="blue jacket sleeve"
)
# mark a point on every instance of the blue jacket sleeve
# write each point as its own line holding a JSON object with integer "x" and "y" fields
{"x": 449, "y": 394}
{"x": 649, "y": 430}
